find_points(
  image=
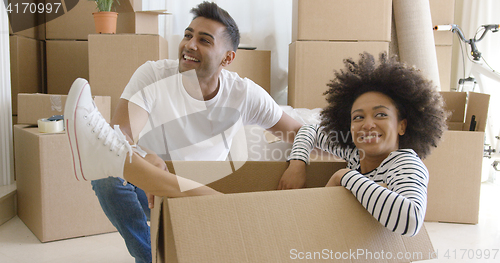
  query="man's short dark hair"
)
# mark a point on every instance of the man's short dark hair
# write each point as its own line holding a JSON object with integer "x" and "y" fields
{"x": 214, "y": 12}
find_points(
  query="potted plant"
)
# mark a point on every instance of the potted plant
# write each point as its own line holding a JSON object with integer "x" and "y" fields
{"x": 105, "y": 19}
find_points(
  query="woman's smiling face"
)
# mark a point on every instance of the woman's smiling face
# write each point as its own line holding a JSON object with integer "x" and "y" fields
{"x": 375, "y": 127}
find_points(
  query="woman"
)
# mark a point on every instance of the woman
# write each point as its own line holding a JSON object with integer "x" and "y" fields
{"x": 382, "y": 119}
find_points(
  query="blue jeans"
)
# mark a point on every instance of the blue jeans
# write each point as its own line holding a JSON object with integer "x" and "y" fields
{"x": 126, "y": 206}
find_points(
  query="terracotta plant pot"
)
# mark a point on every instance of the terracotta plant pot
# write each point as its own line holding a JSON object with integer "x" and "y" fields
{"x": 105, "y": 22}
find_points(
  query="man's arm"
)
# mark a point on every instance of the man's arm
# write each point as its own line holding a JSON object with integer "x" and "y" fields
{"x": 131, "y": 119}
{"x": 286, "y": 128}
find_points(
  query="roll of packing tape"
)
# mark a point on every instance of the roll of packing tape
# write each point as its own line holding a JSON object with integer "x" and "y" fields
{"x": 46, "y": 126}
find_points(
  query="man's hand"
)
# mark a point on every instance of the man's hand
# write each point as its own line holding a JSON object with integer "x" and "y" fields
{"x": 294, "y": 177}
{"x": 336, "y": 177}
{"x": 158, "y": 162}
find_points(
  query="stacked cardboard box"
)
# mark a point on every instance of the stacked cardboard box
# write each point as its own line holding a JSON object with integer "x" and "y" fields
{"x": 67, "y": 60}
{"x": 255, "y": 65}
{"x": 442, "y": 13}
{"x": 28, "y": 24}
{"x": 66, "y": 45}
{"x": 322, "y": 36}
{"x": 67, "y": 39}
{"x": 49, "y": 200}
{"x": 455, "y": 165}
{"x": 55, "y": 60}
{"x": 114, "y": 58}
{"x": 25, "y": 67}
{"x": 26, "y": 52}
{"x": 78, "y": 22}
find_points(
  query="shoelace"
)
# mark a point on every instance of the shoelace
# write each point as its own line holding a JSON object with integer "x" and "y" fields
{"x": 113, "y": 137}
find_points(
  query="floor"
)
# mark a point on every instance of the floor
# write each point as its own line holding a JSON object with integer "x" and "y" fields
{"x": 452, "y": 242}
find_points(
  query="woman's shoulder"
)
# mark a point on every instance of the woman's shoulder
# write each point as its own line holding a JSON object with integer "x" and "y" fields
{"x": 403, "y": 157}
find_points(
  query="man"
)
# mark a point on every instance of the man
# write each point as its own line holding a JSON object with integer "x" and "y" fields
{"x": 172, "y": 112}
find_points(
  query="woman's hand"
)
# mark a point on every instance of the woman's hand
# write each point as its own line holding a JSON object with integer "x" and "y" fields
{"x": 336, "y": 177}
{"x": 294, "y": 176}
{"x": 155, "y": 160}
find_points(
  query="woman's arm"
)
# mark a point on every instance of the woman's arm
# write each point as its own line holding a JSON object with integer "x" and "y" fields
{"x": 401, "y": 206}
{"x": 308, "y": 137}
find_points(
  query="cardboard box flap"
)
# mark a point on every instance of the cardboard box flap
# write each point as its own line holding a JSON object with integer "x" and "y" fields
{"x": 455, "y": 102}
{"x": 249, "y": 177}
{"x": 477, "y": 106}
{"x": 464, "y": 105}
{"x": 157, "y": 12}
{"x": 275, "y": 226}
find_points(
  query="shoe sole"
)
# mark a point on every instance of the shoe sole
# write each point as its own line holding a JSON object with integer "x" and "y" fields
{"x": 72, "y": 100}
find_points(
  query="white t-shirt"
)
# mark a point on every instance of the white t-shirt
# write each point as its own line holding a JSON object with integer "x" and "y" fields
{"x": 181, "y": 127}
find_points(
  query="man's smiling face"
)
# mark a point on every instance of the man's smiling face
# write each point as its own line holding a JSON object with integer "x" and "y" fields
{"x": 203, "y": 48}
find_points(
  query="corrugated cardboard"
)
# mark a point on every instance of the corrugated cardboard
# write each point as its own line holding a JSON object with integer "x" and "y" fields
{"x": 272, "y": 226}
{"x": 132, "y": 20}
{"x": 25, "y": 67}
{"x": 367, "y": 20}
{"x": 464, "y": 105}
{"x": 137, "y": 22}
{"x": 33, "y": 107}
{"x": 455, "y": 178}
{"x": 74, "y": 24}
{"x": 442, "y": 13}
{"x": 78, "y": 22}
{"x": 129, "y": 6}
{"x": 444, "y": 55}
{"x": 114, "y": 58}
{"x": 455, "y": 165}
{"x": 32, "y": 22}
{"x": 50, "y": 201}
{"x": 67, "y": 60}
{"x": 255, "y": 65}
{"x": 312, "y": 64}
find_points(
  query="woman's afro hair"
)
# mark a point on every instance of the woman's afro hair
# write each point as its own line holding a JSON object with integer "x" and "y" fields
{"x": 414, "y": 96}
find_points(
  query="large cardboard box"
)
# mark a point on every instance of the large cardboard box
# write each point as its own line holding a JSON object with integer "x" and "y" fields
{"x": 25, "y": 23}
{"x": 33, "y": 107}
{"x": 255, "y": 65}
{"x": 444, "y": 55}
{"x": 312, "y": 64}
{"x": 455, "y": 165}
{"x": 67, "y": 60}
{"x": 75, "y": 23}
{"x": 367, "y": 20}
{"x": 51, "y": 202}
{"x": 114, "y": 58}
{"x": 442, "y": 13}
{"x": 25, "y": 67}
{"x": 255, "y": 224}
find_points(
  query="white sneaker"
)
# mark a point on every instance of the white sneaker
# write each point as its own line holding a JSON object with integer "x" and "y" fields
{"x": 98, "y": 151}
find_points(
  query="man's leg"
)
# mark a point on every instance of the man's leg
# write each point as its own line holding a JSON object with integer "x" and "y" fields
{"x": 99, "y": 151}
{"x": 126, "y": 207}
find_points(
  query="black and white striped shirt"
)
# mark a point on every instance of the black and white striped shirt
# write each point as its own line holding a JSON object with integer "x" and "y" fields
{"x": 401, "y": 206}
